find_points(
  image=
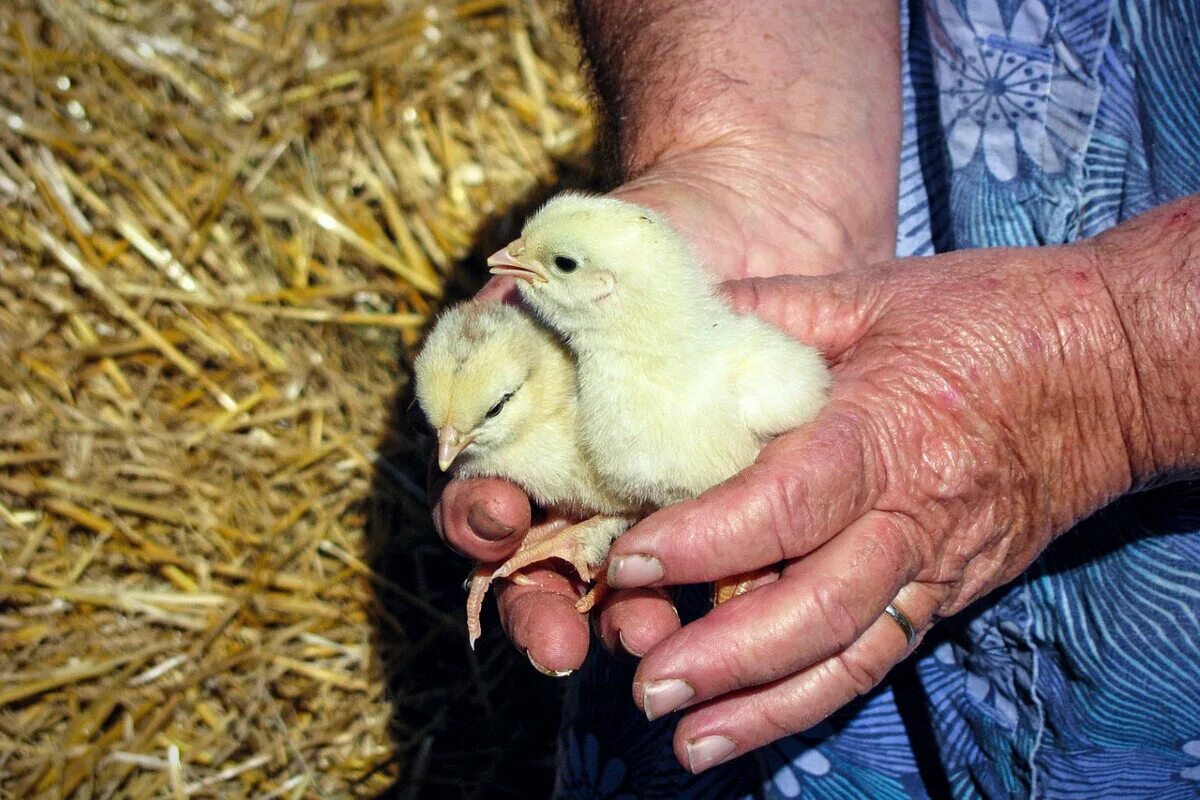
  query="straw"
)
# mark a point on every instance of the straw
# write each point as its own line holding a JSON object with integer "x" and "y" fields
{"x": 224, "y": 227}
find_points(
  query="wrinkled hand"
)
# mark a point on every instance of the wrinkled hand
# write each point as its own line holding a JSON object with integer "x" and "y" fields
{"x": 715, "y": 196}
{"x": 976, "y": 413}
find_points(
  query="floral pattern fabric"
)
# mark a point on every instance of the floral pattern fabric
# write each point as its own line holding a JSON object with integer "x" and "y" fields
{"x": 1027, "y": 122}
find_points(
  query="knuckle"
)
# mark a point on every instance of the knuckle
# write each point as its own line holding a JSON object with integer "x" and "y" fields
{"x": 852, "y": 439}
{"x": 722, "y": 668}
{"x": 829, "y": 601}
{"x": 713, "y": 535}
{"x": 892, "y": 542}
{"x": 863, "y": 676}
{"x": 792, "y": 509}
{"x": 902, "y": 542}
{"x": 777, "y": 721}
{"x": 793, "y": 498}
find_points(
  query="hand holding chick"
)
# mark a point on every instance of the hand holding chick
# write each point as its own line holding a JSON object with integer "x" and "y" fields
{"x": 729, "y": 206}
{"x": 681, "y": 392}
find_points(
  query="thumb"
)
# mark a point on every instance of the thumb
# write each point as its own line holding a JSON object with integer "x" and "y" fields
{"x": 831, "y": 312}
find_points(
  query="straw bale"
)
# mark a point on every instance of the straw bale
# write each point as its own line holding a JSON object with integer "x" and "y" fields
{"x": 224, "y": 225}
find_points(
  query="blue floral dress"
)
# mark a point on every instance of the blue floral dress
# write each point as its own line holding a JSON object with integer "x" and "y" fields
{"x": 1027, "y": 122}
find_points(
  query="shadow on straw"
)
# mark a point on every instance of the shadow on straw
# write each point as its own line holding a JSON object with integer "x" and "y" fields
{"x": 465, "y": 724}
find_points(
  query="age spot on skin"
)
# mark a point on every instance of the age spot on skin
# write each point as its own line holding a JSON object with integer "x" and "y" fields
{"x": 949, "y": 399}
{"x": 1032, "y": 343}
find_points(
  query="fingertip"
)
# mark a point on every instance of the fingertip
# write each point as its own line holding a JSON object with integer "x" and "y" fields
{"x": 634, "y": 571}
{"x": 702, "y": 753}
{"x": 633, "y": 621}
{"x": 483, "y": 518}
{"x": 698, "y": 540}
{"x": 496, "y": 509}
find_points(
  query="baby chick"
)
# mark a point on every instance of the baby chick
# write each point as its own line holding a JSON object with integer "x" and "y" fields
{"x": 499, "y": 388}
{"x": 676, "y": 391}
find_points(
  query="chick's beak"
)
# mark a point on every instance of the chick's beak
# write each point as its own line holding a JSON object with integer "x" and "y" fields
{"x": 450, "y": 444}
{"x": 509, "y": 262}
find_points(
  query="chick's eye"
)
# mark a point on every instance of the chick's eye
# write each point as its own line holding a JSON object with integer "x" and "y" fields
{"x": 496, "y": 409}
{"x": 565, "y": 263}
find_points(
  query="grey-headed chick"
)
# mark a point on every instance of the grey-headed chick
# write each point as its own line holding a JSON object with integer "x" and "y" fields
{"x": 676, "y": 391}
{"x": 499, "y": 389}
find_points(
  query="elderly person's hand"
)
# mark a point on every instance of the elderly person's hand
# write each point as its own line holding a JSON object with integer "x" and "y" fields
{"x": 770, "y": 158}
{"x": 984, "y": 401}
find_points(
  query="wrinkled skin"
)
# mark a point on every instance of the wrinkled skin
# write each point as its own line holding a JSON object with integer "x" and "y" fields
{"x": 955, "y": 446}
{"x": 982, "y": 404}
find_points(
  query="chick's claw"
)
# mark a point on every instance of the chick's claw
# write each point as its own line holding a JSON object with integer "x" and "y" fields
{"x": 595, "y": 595}
{"x": 477, "y": 587}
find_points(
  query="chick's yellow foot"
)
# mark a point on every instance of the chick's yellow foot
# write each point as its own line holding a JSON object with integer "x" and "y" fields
{"x": 728, "y": 588}
{"x": 567, "y": 544}
{"x": 477, "y": 588}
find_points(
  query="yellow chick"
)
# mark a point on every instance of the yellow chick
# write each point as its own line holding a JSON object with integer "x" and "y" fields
{"x": 676, "y": 391}
{"x": 499, "y": 389}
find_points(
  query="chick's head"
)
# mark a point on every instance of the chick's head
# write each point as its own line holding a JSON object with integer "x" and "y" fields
{"x": 581, "y": 257}
{"x": 486, "y": 374}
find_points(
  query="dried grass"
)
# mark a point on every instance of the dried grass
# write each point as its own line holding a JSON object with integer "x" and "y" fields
{"x": 223, "y": 225}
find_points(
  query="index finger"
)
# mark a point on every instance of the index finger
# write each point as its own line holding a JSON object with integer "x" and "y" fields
{"x": 806, "y": 486}
{"x": 831, "y": 312}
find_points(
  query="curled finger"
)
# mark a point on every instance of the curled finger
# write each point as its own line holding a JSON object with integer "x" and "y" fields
{"x": 806, "y": 487}
{"x": 541, "y": 620}
{"x": 635, "y": 620}
{"x": 821, "y": 605}
{"x": 743, "y": 721}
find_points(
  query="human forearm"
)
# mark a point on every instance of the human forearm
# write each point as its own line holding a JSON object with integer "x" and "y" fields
{"x": 1151, "y": 269}
{"x": 801, "y": 97}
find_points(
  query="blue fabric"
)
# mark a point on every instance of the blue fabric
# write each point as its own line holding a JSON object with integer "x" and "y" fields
{"x": 1027, "y": 122}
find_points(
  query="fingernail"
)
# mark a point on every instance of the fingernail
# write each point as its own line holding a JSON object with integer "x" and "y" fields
{"x": 549, "y": 672}
{"x": 663, "y": 697}
{"x": 630, "y": 572}
{"x": 708, "y": 751}
{"x": 625, "y": 645}
{"x": 487, "y": 526}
